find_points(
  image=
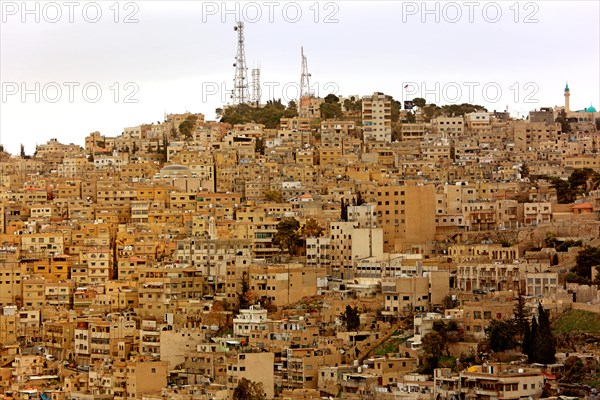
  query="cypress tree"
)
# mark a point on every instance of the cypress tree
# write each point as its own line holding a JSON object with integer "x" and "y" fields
{"x": 344, "y": 211}
{"x": 547, "y": 345}
{"x": 521, "y": 322}
{"x": 532, "y": 348}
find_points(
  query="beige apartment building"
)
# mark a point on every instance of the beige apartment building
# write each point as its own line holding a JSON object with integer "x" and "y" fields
{"x": 377, "y": 118}
{"x": 448, "y": 126}
{"x": 477, "y": 315}
{"x": 407, "y": 216}
{"x": 253, "y": 367}
{"x": 285, "y": 283}
{"x": 405, "y": 295}
{"x": 11, "y": 285}
{"x": 502, "y": 381}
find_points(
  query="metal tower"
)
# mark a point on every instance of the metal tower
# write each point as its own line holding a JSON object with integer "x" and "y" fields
{"x": 256, "y": 87}
{"x": 240, "y": 81}
{"x": 304, "y": 77}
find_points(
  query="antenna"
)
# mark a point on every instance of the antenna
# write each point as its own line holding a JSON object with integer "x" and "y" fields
{"x": 304, "y": 85}
{"x": 256, "y": 86}
{"x": 240, "y": 80}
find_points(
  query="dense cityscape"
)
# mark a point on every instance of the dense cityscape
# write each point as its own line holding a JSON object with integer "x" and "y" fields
{"x": 344, "y": 246}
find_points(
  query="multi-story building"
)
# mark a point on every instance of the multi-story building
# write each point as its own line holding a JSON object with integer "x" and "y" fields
{"x": 501, "y": 381}
{"x": 477, "y": 315}
{"x": 251, "y": 366}
{"x": 377, "y": 118}
{"x": 407, "y": 216}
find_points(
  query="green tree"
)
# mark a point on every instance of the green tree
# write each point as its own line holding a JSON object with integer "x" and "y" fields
{"x": 351, "y": 318}
{"x": 409, "y": 118}
{"x": 287, "y": 236}
{"x": 564, "y": 193}
{"x": 249, "y": 390}
{"x": 331, "y": 110}
{"x": 543, "y": 345}
{"x": 243, "y": 295}
{"x": 433, "y": 348}
{"x": 501, "y": 335}
{"x": 259, "y": 146}
{"x": 449, "y": 303}
{"x": 524, "y": 170}
{"x": 343, "y": 210}
{"x": 586, "y": 259}
{"x": 186, "y": 128}
{"x": 274, "y": 196}
{"x": 419, "y": 102}
{"x": 574, "y": 371}
{"x": 312, "y": 229}
{"x": 448, "y": 332}
{"x": 331, "y": 99}
{"x": 563, "y": 121}
{"x": 533, "y": 340}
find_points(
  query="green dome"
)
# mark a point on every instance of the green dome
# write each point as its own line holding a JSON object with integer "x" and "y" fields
{"x": 591, "y": 109}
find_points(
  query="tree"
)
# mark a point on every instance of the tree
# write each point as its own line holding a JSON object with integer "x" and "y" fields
{"x": 524, "y": 170}
{"x": 331, "y": 110}
{"x": 419, "y": 102}
{"x": 186, "y": 128}
{"x": 449, "y": 303}
{"x": 311, "y": 229}
{"x": 586, "y": 259}
{"x": 249, "y": 390}
{"x": 259, "y": 146}
{"x": 563, "y": 121}
{"x": 23, "y": 151}
{"x": 432, "y": 347}
{"x": 533, "y": 339}
{"x": 574, "y": 371}
{"x": 274, "y": 196}
{"x": 292, "y": 106}
{"x": 542, "y": 349}
{"x": 243, "y": 295}
{"x": 216, "y": 315}
{"x": 501, "y": 335}
{"x": 359, "y": 199}
{"x": 351, "y": 317}
{"x": 287, "y": 235}
{"x": 564, "y": 193}
{"x": 331, "y": 99}
{"x": 521, "y": 314}
{"x": 448, "y": 332}
{"x": 343, "y": 210}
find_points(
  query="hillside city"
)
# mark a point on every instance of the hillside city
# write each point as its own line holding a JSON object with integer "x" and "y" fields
{"x": 351, "y": 247}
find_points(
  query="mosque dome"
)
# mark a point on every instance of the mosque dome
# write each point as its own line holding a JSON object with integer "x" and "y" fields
{"x": 175, "y": 170}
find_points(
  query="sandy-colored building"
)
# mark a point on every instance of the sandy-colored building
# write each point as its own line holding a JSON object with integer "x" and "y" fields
{"x": 407, "y": 216}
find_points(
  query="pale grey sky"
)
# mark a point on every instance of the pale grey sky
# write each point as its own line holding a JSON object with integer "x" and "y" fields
{"x": 173, "y": 56}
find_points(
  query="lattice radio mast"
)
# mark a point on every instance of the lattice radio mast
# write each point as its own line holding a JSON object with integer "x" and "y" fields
{"x": 304, "y": 77}
{"x": 240, "y": 81}
{"x": 256, "y": 87}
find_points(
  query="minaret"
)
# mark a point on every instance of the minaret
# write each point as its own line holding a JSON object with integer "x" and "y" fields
{"x": 567, "y": 98}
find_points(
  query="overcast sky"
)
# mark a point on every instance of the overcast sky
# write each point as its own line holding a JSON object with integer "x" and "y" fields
{"x": 152, "y": 57}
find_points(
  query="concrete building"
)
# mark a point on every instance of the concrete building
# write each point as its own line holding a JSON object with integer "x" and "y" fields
{"x": 377, "y": 118}
{"x": 407, "y": 216}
